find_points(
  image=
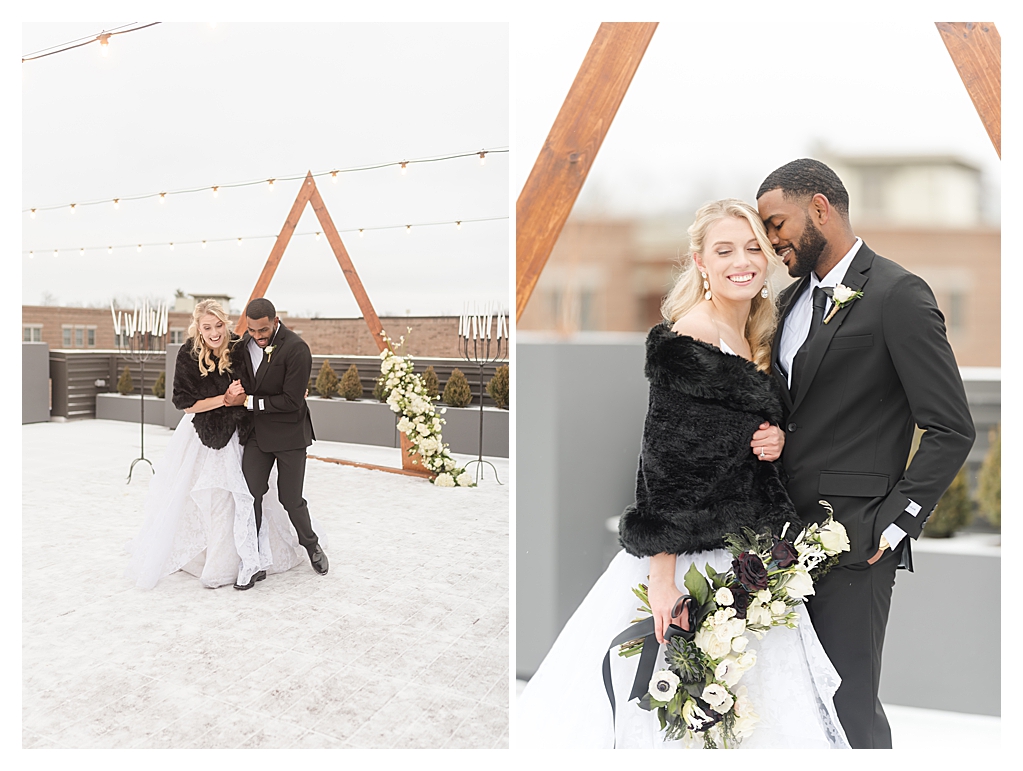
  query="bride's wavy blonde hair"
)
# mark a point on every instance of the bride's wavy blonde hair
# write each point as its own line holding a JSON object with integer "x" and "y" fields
{"x": 200, "y": 349}
{"x": 688, "y": 290}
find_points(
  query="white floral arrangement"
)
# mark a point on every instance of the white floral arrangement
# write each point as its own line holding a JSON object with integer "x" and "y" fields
{"x": 698, "y": 698}
{"x": 420, "y": 421}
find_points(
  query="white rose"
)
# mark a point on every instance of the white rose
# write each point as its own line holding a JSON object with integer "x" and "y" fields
{"x": 723, "y": 596}
{"x": 663, "y": 685}
{"x": 449, "y": 463}
{"x": 834, "y": 539}
{"x": 747, "y": 659}
{"x": 386, "y": 365}
{"x": 778, "y": 608}
{"x": 444, "y": 480}
{"x": 799, "y": 585}
{"x": 464, "y": 479}
{"x": 843, "y": 293}
{"x": 423, "y": 429}
{"x": 764, "y": 595}
{"x": 711, "y": 644}
{"x": 739, "y": 644}
{"x": 404, "y": 425}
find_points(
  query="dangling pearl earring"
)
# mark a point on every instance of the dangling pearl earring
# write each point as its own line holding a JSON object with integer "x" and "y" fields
{"x": 763, "y": 292}
{"x": 706, "y": 286}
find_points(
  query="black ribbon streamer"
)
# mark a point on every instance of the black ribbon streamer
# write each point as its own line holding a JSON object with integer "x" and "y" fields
{"x": 648, "y": 656}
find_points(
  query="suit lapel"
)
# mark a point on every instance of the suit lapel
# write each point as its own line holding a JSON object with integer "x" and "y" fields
{"x": 854, "y": 278}
{"x": 786, "y": 308}
{"x": 277, "y": 342}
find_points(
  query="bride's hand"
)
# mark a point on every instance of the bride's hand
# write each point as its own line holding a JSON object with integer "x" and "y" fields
{"x": 235, "y": 389}
{"x": 767, "y": 442}
{"x": 663, "y": 594}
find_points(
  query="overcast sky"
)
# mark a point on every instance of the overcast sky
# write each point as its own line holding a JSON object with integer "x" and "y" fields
{"x": 716, "y": 106}
{"x": 195, "y": 105}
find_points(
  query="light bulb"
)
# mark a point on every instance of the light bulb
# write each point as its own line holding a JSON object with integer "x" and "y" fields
{"x": 360, "y": 233}
{"x": 215, "y": 187}
{"x": 483, "y": 157}
{"x": 317, "y": 235}
{"x": 73, "y": 207}
{"x": 139, "y": 249}
{"x": 408, "y": 228}
{"x": 110, "y": 250}
{"x": 403, "y": 165}
{"x": 270, "y": 182}
{"x": 81, "y": 252}
{"x": 104, "y": 42}
{"x": 239, "y": 242}
{"x": 204, "y": 244}
{"x": 333, "y": 176}
{"x": 172, "y": 246}
{"x": 32, "y": 213}
{"x": 54, "y": 252}
{"x": 162, "y": 197}
{"x": 458, "y": 224}
{"x": 117, "y": 203}
{"x": 31, "y": 255}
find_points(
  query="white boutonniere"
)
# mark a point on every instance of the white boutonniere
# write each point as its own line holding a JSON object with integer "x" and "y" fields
{"x": 269, "y": 351}
{"x": 841, "y": 296}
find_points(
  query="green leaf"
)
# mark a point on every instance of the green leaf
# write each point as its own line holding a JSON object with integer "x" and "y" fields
{"x": 697, "y": 585}
{"x": 661, "y": 715}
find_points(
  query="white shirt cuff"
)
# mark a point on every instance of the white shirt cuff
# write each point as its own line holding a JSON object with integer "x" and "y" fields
{"x": 894, "y": 534}
{"x": 248, "y": 402}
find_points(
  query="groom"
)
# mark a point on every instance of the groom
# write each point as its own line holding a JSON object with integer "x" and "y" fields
{"x": 855, "y": 380}
{"x": 276, "y": 364}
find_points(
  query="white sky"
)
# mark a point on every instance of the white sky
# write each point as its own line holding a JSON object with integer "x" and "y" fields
{"x": 715, "y": 106}
{"x": 190, "y": 105}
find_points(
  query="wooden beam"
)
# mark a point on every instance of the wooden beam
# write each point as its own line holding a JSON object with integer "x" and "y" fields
{"x": 263, "y": 282}
{"x": 976, "y": 50}
{"x": 567, "y": 155}
{"x": 348, "y": 268}
{"x": 373, "y": 467}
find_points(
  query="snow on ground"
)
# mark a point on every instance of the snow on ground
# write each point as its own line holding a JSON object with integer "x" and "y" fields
{"x": 404, "y": 643}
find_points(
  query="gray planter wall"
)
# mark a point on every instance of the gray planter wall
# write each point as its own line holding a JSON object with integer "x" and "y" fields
{"x": 129, "y": 408}
{"x": 35, "y": 383}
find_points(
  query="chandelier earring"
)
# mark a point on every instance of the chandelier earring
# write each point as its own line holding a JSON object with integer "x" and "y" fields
{"x": 764, "y": 292}
{"x": 706, "y": 286}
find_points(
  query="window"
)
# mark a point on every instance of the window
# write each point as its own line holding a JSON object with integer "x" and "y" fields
{"x": 66, "y": 336}
{"x": 32, "y": 333}
{"x": 79, "y": 335}
{"x": 177, "y": 336}
{"x": 956, "y": 312}
{"x": 90, "y": 337}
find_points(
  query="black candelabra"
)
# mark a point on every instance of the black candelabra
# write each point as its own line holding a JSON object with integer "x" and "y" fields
{"x": 482, "y": 338}
{"x": 139, "y": 335}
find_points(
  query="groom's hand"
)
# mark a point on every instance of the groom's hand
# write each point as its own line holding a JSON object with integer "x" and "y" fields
{"x": 767, "y": 442}
{"x": 235, "y": 394}
{"x": 876, "y": 557}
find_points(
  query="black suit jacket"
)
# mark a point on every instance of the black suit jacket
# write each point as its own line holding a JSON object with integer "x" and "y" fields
{"x": 881, "y": 364}
{"x": 280, "y": 416}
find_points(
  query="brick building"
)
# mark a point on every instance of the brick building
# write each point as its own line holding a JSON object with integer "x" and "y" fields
{"x": 92, "y": 328}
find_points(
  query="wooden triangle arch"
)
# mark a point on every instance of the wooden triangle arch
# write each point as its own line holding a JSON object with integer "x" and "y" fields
{"x": 310, "y": 194}
{"x": 598, "y": 89}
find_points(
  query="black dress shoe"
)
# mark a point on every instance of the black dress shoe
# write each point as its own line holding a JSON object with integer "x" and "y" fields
{"x": 257, "y": 576}
{"x": 319, "y": 560}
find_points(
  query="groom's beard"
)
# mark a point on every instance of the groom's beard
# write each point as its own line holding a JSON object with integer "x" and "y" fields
{"x": 807, "y": 252}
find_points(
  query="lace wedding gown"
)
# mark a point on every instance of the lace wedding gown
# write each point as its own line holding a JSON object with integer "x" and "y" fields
{"x": 198, "y": 518}
{"x": 564, "y": 705}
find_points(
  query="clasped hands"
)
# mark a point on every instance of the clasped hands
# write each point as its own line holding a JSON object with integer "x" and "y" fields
{"x": 767, "y": 442}
{"x": 235, "y": 394}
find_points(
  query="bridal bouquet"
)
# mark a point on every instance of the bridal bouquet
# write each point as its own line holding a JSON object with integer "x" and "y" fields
{"x": 407, "y": 395}
{"x": 698, "y": 696}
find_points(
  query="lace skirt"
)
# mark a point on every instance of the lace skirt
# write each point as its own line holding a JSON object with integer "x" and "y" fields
{"x": 199, "y": 518}
{"x": 564, "y": 705}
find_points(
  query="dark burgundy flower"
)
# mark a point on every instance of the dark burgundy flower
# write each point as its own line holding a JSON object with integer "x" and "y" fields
{"x": 740, "y": 599}
{"x": 750, "y": 571}
{"x": 784, "y": 554}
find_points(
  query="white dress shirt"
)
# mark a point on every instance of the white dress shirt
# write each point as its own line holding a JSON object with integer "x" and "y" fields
{"x": 797, "y": 326}
{"x": 256, "y": 357}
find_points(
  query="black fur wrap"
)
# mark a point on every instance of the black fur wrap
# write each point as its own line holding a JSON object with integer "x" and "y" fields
{"x": 698, "y": 478}
{"x": 214, "y": 427}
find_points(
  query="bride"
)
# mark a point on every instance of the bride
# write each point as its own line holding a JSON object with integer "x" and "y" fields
{"x": 706, "y": 469}
{"x": 198, "y": 510}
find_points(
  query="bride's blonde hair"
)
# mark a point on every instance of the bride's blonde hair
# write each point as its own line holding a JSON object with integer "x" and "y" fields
{"x": 200, "y": 349}
{"x": 688, "y": 290}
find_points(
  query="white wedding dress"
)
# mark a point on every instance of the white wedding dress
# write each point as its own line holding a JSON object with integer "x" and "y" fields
{"x": 564, "y": 705}
{"x": 199, "y": 518}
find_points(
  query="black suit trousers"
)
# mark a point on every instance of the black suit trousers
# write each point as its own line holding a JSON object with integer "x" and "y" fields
{"x": 256, "y": 466}
{"x": 850, "y": 612}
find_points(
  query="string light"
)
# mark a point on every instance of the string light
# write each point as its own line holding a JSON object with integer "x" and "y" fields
{"x": 73, "y": 207}
{"x": 81, "y": 252}
{"x": 163, "y": 197}
{"x": 33, "y": 213}
{"x": 31, "y": 255}
{"x": 110, "y": 250}
{"x": 172, "y": 246}
{"x": 333, "y": 176}
{"x": 103, "y": 38}
{"x": 271, "y": 183}
{"x": 104, "y": 42}
{"x": 54, "y": 252}
{"x": 316, "y": 234}
{"x": 483, "y": 157}
{"x": 333, "y": 173}
{"x": 117, "y": 203}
